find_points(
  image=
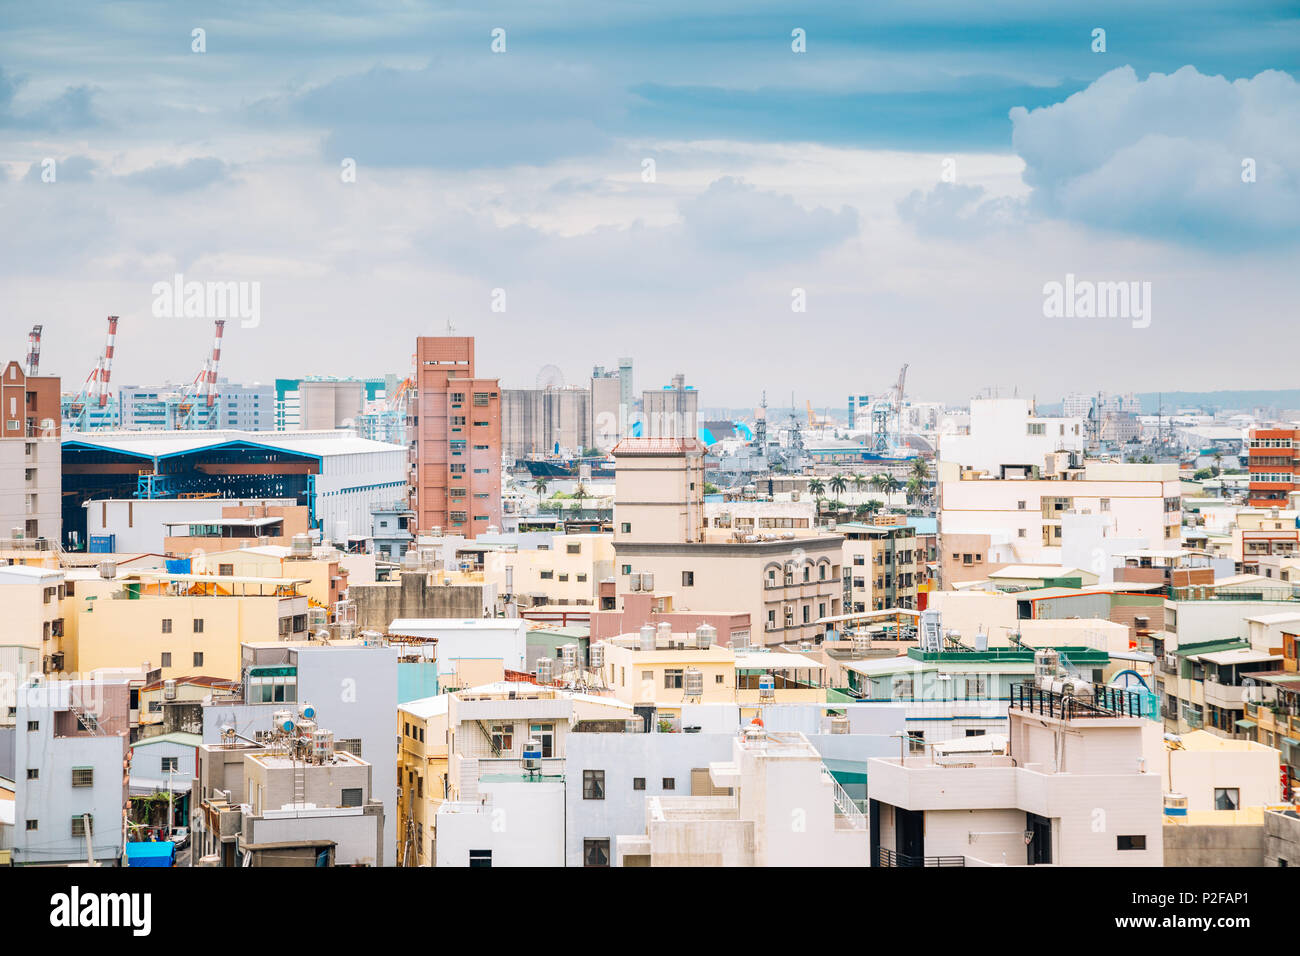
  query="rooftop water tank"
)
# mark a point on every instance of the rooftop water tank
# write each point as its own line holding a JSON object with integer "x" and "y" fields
{"x": 694, "y": 682}
{"x": 706, "y": 636}
{"x": 664, "y": 631}
{"x": 533, "y": 755}
{"x": 545, "y": 670}
{"x": 569, "y": 655}
{"x": 597, "y": 655}
{"x": 766, "y": 687}
{"x": 647, "y": 637}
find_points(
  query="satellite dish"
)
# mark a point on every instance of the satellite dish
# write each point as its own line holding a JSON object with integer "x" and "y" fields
{"x": 550, "y": 376}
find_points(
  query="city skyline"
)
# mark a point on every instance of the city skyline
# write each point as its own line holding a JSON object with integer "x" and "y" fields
{"x": 915, "y": 180}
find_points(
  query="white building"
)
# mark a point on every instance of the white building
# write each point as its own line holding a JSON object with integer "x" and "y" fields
{"x": 1005, "y": 431}
{"x": 1070, "y": 785}
{"x": 355, "y": 687}
{"x": 235, "y": 405}
{"x": 774, "y": 803}
{"x": 70, "y": 750}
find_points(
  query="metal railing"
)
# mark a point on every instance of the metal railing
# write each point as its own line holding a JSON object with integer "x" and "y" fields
{"x": 887, "y": 857}
{"x": 844, "y": 803}
{"x": 1101, "y": 702}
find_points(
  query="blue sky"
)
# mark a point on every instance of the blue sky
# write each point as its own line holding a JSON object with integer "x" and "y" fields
{"x": 774, "y": 171}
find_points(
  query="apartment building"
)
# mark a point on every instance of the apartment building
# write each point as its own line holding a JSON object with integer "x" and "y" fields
{"x": 1006, "y": 433}
{"x": 421, "y": 778}
{"x": 568, "y": 570}
{"x": 1274, "y": 466}
{"x": 179, "y": 624}
{"x": 356, "y": 682}
{"x": 659, "y": 668}
{"x": 1069, "y": 786}
{"x": 671, "y": 412}
{"x": 31, "y": 460}
{"x": 455, "y": 439}
{"x": 281, "y": 805}
{"x": 882, "y": 567}
{"x": 71, "y": 745}
{"x": 771, "y": 779}
{"x": 1046, "y": 514}
{"x": 33, "y": 619}
{"x": 784, "y": 581}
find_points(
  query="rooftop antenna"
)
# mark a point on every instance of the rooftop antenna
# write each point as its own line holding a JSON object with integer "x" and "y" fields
{"x": 451, "y": 329}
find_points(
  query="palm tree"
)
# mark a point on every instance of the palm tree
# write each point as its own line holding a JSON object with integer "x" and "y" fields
{"x": 921, "y": 468}
{"x": 859, "y": 482}
{"x": 539, "y": 486}
{"x": 580, "y": 493}
{"x": 891, "y": 484}
{"x": 915, "y": 488}
{"x": 1218, "y": 463}
{"x": 838, "y": 484}
{"x": 817, "y": 488}
{"x": 873, "y": 505}
{"x": 878, "y": 481}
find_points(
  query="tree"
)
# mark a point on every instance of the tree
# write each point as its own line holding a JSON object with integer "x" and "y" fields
{"x": 580, "y": 493}
{"x": 817, "y": 488}
{"x": 838, "y": 484}
{"x": 879, "y": 480}
{"x": 890, "y": 485}
{"x": 1218, "y": 463}
{"x": 873, "y": 505}
{"x": 921, "y": 468}
{"x": 915, "y": 488}
{"x": 539, "y": 486}
{"x": 859, "y": 482}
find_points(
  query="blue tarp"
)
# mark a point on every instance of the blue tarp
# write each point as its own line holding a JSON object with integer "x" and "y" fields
{"x": 178, "y": 565}
{"x": 161, "y": 853}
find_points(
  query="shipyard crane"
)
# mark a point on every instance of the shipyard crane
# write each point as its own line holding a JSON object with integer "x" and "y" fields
{"x": 34, "y": 350}
{"x": 94, "y": 391}
{"x": 203, "y": 390}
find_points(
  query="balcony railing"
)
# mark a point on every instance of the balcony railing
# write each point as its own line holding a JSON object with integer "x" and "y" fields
{"x": 1101, "y": 702}
{"x": 886, "y": 857}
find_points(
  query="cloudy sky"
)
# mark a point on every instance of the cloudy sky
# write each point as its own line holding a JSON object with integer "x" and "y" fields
{"x": 657, "y": 180}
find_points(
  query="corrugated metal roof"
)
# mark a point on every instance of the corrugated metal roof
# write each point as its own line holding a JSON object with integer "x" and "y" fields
{"x": 159, "y": 444}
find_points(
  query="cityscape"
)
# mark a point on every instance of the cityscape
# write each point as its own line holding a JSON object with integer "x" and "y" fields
{"x": 466, "y": 444}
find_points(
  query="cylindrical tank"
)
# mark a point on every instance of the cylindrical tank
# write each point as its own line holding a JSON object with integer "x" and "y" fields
{"x": 569, "y": 655}
{"x": 694, "y": 682}
{"x": 664, "y": 632}
{"x": 647, "y": 637}
{"x": 767, "y": 686}
{"x": 597, "y": 655}
{"x": 705, "y": 635}
{"x": 545, "y": 670}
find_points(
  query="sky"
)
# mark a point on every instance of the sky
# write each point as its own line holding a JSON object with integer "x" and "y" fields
{"x": 758, "y": 195}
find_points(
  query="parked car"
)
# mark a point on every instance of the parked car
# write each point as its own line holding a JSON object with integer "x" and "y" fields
{"x": 181, "y": 837}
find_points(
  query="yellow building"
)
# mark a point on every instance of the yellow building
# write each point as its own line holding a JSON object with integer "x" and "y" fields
{"x": 421, "y": 777}
{"x": 181, "y": 624}
{"x": 667, "y": 670}
{"x": 324, "y": 579}
{"x": 567, "y": 572}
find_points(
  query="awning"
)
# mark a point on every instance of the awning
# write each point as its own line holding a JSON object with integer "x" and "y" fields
{"x": 1246, "y": 724}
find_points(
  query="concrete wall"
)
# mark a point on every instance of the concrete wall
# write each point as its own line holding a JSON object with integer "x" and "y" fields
{"x": 1228, "y": 845}
{"x": 414, "y": 596}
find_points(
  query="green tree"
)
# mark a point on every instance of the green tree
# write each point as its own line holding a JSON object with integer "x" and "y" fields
{"x": 539, "y": 486}
{"x": 859, "y": 482}
{"x": 921, "y": 468}
{"x": 817, "y": 488}
{"x": 915, "y": 488}
{"x": 838, "y": 484}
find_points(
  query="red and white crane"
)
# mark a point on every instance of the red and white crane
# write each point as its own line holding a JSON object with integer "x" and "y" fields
{"x": 94, "y": 391}
{"x": 203, "y": 390}
{"x": 34, "y": 350}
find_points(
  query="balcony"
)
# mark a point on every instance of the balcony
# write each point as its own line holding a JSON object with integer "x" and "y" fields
{"x": 1102, "y": 703}
{"x": 887, "y": 857}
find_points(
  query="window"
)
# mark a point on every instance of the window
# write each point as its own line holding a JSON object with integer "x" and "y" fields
{"x": 1020, "y": 506}
{"x": 350, "y": 745}
{"x": 638, "y": 783}
{"x": 627, "y": 569}
{"x": 198, "y": 625}
{"x": 33, "y": 725}
{"x": 351, "y": 796}
{"x": 170, "y": 763}
{"x": 673, "y": 678}
{"x": 1133, "y": 842}
{"x": 198, "y": 658}
{"x": 31, "y": 824}
{"x": 916, "y": 741}
{"x": 83, "y": 776}
{"x": 226, "y": 570}
{"x": 595, "y": 853}
{"x": 975, "y": 733}
{"x": 573, "y": 548}
{"x": 1037, "y": 428}
{"x": 1105, "y": 504}
{"x": 503, "y": 737}
{"x": 166, "y": 659}
{"x": 480, "y": 398}
{"x": 166, "y": 625}
{"x": 670, "y": 783}
{"x": 457, "y": 397}
{"x": 1227, "y": 798}
{"x": 717, "y": 678}
{"x": 33, "y": 774}
{"x": 480, "y": 858}
{"x": 626, "y": 527}
{"x": 688, "y": 579}
{"x": 976, "y": 688}
{"x": 593, "y": 785}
